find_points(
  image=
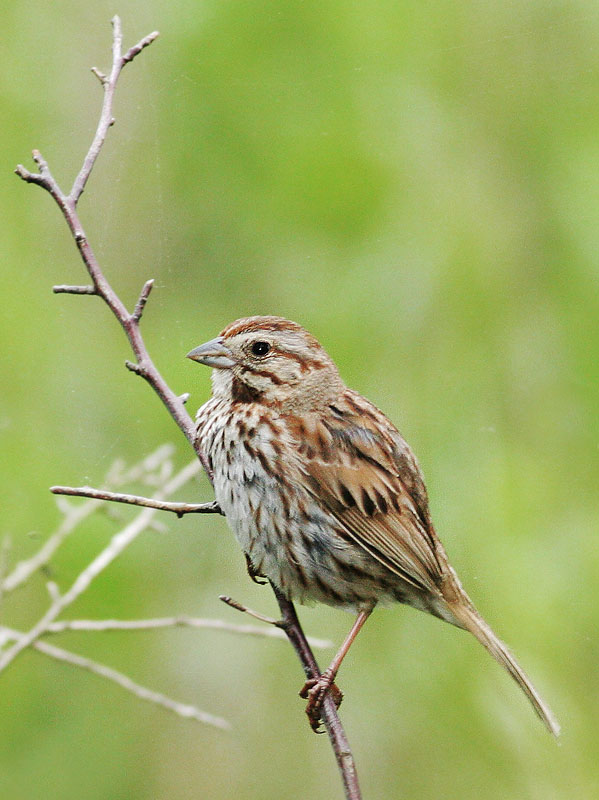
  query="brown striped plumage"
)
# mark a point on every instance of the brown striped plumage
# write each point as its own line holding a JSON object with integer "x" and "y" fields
{"x": 322, "y": 492}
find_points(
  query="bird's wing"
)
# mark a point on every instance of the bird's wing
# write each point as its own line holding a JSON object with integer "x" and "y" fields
{"x": 360, "y": 468}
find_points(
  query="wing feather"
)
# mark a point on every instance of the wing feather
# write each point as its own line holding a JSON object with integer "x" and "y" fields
{"x": 362, "y": 470}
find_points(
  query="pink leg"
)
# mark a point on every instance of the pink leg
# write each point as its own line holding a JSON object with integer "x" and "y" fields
{"x": 315, "y": 688}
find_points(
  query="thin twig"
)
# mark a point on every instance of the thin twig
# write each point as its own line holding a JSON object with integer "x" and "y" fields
{"x": 175, "y": 622}
{"x": 99, "y": 75}
{"x": 24, "y": 569}
{"x": 115, "y": 547}
{"x": 135, "y": 500}
{"x": 245, "y": 610}
{"x": 109, "y": 84}
{"x": 137, "y": 48}
{"x": 68, "y": 205}
{"x": 335, "y": 730}
{"x": 66, "y": 289}
{"x": 143, "y": 299}
{"x": 74, "y": 515}
{"x": 182, "y": 709}
{"x": 5, "y": 546}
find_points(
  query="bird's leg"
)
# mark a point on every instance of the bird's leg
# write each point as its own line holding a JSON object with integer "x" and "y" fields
{"x": 315, "y": 689}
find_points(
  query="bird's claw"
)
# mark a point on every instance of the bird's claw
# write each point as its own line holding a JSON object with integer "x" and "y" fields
{"x": 314, "y": 691}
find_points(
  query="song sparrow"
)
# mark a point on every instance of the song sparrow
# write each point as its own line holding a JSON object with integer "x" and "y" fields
{"x": 322, "y": 492}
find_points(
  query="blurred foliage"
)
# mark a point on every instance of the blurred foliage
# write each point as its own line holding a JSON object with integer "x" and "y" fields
{"x": 418, "y": 184}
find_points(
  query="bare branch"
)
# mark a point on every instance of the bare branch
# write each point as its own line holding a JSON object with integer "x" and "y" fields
{"x": 74, "y": 515}
{"x": 106, "y": 119}
{"x": 100, "y": 75}
{"x": 115, "y": 547}
{"x": 42, "y": 165}
{"x": 270, "y": 632}
{"x": 5, "y": 546}
{"x": 24, "y": 569}
{"x": 53, "y": 591}
{"x": 134, "y": 368}
{"x": 66, "y": 289}
{"x": 135, "y": 500}
{"x": 42, "y": 178}
{"x": 68, "y": 206}
{"x": 245, "y": 610}
{"x": 143, "y": 299}
{"x": 29, "y": 177}
{"x": 182, "y": 709}
{"x": 339, "y": 742}
{"x": 133, "y": 51}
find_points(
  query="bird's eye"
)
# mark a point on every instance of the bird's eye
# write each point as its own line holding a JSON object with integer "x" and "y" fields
{"x": 260, "y": 348}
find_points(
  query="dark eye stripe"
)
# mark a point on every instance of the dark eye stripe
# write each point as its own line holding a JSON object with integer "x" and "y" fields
{"x": 305, "y": 363}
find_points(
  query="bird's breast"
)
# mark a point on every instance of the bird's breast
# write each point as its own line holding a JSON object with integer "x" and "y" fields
{"x": 289, "y": 536}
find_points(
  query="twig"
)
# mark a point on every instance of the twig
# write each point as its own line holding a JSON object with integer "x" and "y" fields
{"x": 143, "y": 299}
{"x": 4, "y": 556}
{"x": 109, "y": 84}
{"x": 245, "y": 610}
{"x": 115, "y": 547}
{"x": 74, "y": 515}
{"x": 64, "y": 288}
{"x": 146, "y": 369}
{"x": 174, "y": 622}
{"x": 182, "y": 709}
{"x": 135, "y": 500}
{"x": 339, "y": 742}
{"x": 293, "y": 630}
{"x": 68, "y": 205}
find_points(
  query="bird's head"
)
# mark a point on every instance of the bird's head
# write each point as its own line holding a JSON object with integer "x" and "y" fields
{"x": 270, "y": 360}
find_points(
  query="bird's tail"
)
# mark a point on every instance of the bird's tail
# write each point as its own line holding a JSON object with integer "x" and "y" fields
{"x": 468, "y": 618}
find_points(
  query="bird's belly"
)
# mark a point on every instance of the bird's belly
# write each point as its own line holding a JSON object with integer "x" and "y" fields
{"x": 294, "y": 541}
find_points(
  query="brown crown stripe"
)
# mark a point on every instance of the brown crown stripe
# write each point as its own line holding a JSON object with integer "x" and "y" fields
{"x": 267, "y": 325}
{"x": 253, "y": 324}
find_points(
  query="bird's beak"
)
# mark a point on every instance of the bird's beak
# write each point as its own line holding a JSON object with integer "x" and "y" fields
{"x": 213, "y": 354}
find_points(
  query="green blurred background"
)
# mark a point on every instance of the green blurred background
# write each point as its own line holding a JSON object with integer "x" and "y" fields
{"x": 418, "y": 184}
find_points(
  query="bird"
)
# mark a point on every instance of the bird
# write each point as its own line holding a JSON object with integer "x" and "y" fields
{"x": 322, "y": 492}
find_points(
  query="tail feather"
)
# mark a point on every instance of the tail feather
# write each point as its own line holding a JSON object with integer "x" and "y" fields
{"x": 468, "y": 618}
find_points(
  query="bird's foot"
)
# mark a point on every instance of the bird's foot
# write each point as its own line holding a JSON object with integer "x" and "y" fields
{"x": 314, "y": 691}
